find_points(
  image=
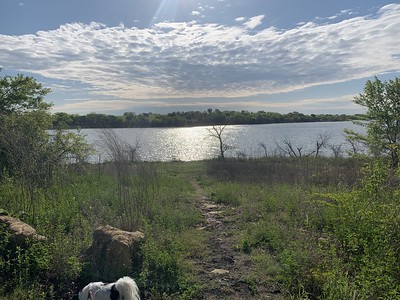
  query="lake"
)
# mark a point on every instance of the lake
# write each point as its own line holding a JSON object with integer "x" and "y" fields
{"x": 195, "y": 143}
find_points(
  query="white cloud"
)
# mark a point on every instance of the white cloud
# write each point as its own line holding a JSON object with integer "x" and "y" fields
{"x": 196, "y": 13}
{"x": 254, "y": 22}
{"x": 346, "y": 11}
{"x": 341, "y": 14}
{"x": 184, "y": 60}
{"x": 90, "y": 105}
{"x": 240, "y": 19}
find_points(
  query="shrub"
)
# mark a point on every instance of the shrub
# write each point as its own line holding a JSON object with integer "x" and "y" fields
{"x": 366, "y": 224}
{"x": 160, "y": 266}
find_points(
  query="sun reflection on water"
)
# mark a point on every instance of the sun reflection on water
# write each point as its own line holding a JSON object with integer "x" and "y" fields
{"x": 195, "y": 143}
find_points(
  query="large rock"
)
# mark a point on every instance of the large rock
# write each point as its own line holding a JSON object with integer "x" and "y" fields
{"x": 19, "y": 231}
{"x": 112, "y": 252}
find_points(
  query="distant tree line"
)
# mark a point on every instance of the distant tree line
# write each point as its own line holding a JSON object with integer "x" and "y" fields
{"x": 190, "y": 118}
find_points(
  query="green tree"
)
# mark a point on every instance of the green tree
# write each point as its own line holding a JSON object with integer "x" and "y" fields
{"x": 62, "y": 119}
{"x": 30, "y": 153}
{"x": 129, "y": 119}
{"x": 382, "y": 101}
{"x": 20, "y": 94}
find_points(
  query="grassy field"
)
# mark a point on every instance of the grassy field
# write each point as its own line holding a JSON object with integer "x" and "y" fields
{"x": 319, "y": 228}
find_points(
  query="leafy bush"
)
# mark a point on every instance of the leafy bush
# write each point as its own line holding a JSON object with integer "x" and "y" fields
{"x": 366, "y": 224}
{"x": 160, "y": 270}
{"x": 39, "y": 266}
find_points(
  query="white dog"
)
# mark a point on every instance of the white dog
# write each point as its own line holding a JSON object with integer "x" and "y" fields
{"x": 124, "y": 288}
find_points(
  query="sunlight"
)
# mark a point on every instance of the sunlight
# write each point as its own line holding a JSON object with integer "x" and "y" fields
{"x": 166, "y": 11}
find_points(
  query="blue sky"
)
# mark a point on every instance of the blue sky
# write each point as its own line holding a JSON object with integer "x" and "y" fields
{"x": 103, "y": 56}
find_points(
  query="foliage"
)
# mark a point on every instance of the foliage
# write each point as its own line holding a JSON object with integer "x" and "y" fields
{"x": 381, "y": 99}
{"x": 160, "y": 270}
{"x": 190, "y": 118}
{"x": 365, "y": 225}
{"x": 36, "y": 266}
{"x": 156, "y": 202}
{"x": 20, "y": 94}
{"x": 21, "y": 98}
{"x": 30, "y": 154}
{"x": 22, "y": 142}
{"x": 321, "y": 241}
{"x": 30, "y": 151}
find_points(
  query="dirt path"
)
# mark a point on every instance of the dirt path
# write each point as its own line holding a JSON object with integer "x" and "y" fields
{"x": 225, "y": 271}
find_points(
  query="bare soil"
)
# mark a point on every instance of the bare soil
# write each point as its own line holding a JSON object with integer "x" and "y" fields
{"x": 226, "y": 272}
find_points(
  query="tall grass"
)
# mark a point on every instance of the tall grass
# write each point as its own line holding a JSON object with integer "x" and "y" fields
{"x": 318, "y": 239}
{"x": 144, "y": 199}
{"x": 314, "y": 228}
{"x": 304, "y": 170}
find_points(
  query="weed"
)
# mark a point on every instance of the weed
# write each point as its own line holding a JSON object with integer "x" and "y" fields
{"x": 226, "y": 193}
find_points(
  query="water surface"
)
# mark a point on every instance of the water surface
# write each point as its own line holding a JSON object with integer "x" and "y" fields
{"x": 195, "y": 143}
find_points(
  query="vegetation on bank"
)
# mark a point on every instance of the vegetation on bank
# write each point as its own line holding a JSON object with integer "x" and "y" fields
{"x": 191, "y": 118}
{"x": 310, "y": 226}
{"x": 317, "y": 228}
{"x": 333, "y": 239}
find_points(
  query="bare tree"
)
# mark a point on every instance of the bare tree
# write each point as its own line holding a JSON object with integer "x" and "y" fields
{"x": 288, "y": 148}
{"x": 356, "y": 146}
{"x": 217, "y": 132}
{"x": 121, "y": 154}
{"x": 336, "y": 150}
{"x": 321, "y": 142}
{"x": 264, "y": 147}
{"x": 118, "y": 150}
{"x": 241, "y": 155}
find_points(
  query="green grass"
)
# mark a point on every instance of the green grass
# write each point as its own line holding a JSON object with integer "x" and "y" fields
{"x": 315, "y": 240}
{"x": 309, "y": 237}
{"x": 152, "y": 199}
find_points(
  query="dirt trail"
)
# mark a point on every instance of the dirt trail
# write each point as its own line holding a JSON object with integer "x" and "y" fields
{"x": 225, "y": 271}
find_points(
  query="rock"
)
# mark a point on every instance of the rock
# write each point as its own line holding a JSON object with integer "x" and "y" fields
{"x": 220, "y": 271}
{"x": 210, "y": 206}
{"x": 112, "y": 251}
{"x": 19, "y": 230}
{"x": 216, "y": 212}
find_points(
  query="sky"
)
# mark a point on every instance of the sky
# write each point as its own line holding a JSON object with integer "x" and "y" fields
{"x": 111, "y": 57}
